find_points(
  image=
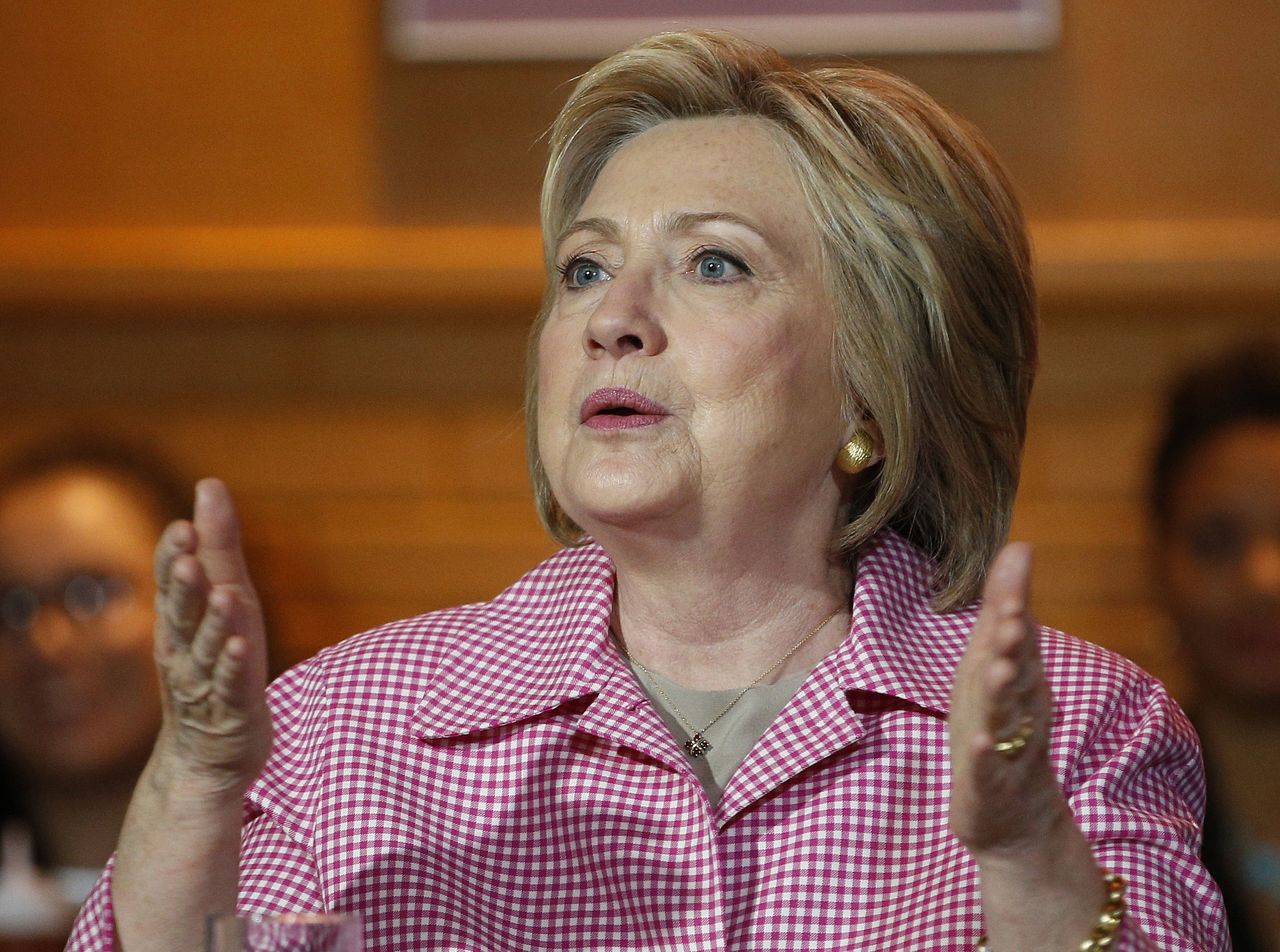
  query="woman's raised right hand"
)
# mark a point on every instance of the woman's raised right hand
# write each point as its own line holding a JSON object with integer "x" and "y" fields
{"x": 210, "y": 649}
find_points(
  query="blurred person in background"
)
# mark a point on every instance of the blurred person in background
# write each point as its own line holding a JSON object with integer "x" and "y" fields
{"x": 1215, "y": 500}
{"x": 79, "y": 703}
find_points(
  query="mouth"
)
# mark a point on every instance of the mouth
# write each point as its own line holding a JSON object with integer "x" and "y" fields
{"x": 617, "y": 408}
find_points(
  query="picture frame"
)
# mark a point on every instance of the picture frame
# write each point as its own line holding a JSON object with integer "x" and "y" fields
{"x": 578, "y": 29}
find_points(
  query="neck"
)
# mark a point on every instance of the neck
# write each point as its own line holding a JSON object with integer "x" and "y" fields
{"x": 707, "y": 620}
{"x": 79, "y": 821}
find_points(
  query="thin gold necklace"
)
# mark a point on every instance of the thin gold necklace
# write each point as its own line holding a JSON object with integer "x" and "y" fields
{"x": 697, "y": 744}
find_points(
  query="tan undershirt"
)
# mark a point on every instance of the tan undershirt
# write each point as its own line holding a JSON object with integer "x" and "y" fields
{"x": 731, "y": 737}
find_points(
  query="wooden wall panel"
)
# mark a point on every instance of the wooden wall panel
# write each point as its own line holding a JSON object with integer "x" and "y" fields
{"x": 372, "y": 494}
{"x": 161, "y": 110}
{"x": 240, "y": 231}
{"x": 1144, "y": 110}
{"x": 369, "y": 494}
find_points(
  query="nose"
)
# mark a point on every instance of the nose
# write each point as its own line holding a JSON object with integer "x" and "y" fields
{"x": 624, "y": 320}
{"x": 53, "y": 634}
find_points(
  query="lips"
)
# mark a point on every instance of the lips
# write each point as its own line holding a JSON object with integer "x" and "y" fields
{"x": 617, "y": 408}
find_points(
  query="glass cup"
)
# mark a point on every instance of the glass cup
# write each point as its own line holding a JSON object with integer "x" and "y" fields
{"x": 337, "y": 932}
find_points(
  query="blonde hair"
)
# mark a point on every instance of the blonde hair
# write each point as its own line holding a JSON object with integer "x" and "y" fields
{"x": 926, "y": 258}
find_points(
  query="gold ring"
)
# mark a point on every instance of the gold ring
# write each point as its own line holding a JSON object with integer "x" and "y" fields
{"x": 1012, "y": 746}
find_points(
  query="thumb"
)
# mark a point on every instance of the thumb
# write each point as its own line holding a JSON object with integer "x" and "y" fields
{"x": 218, "y": 536}
{"x": 1008, "y": 587}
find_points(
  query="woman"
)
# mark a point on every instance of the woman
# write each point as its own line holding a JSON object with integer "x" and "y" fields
{"x": 1215, "y": 502}
{"x": 79, "y": 706}
{"x": 739, "y": 711}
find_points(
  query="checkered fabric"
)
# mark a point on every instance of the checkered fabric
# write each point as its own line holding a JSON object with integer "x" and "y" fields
{"x": 491, "y": 777}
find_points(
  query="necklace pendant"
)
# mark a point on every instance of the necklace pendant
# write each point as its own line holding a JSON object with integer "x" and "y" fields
{"x": 697, "y": 745}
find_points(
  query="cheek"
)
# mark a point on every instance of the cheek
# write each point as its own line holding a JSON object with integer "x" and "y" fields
{"x": 556, "y": 345}
{"x": 129, "y": 687}
{"x": 131, "y": 631}
{"x": 1197, "y": 593}
{"x": 782, "y": 371}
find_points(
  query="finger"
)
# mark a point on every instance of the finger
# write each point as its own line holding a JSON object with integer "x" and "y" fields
{"x": 1008, "y": 587}
{"x": 181, "y": 606}
{"x": 1013, "y": 677}
{"x": 987, "y": 681}
{"x": 178, "y": 538}
{"x": 1019, "y": 705}
{"x": 999, "y": 702}
{"x": 1006, "y": 611}
{"x": 1017, "y": 641}
{"x": 217, "y": 625}
{"x": 218, "y": 528}
{"x": 1005, "y": 595}
{"x": 232, "y": 679}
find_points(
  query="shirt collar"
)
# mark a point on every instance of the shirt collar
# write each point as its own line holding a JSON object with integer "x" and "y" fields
{"x": 897, "y": 645}
{"x": 540, "y": 644}
{"x": 545, "y": 641}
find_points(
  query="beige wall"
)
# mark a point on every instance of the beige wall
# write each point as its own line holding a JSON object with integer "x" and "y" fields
{"x": 238, "y": 229}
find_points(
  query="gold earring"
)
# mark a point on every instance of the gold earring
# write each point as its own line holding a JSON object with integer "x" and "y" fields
{"x": 856, "y": 455}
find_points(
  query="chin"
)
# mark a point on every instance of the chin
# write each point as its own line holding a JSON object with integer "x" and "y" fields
{"x": 620, "y": 511}
{"x": 622, "y": 497}
{"x": 599, "y": 522}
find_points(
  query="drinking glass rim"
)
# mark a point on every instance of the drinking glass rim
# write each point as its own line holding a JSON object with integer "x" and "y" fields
{"x": 291, "y": 918}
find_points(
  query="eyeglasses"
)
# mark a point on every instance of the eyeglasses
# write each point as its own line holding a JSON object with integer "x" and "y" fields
{"x": 84, "y": 597}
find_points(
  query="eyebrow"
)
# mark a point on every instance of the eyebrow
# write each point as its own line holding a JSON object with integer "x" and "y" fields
{"x": 608, "y": 229}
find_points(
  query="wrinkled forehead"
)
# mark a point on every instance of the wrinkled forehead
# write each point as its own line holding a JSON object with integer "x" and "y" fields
{"x": 736, "y": 167}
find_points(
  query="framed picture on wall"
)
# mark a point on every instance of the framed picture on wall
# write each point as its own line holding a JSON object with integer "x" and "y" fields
{"x": 590, "y": 29}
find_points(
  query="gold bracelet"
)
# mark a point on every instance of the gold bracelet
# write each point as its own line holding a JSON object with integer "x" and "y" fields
{"x": 1104, "y": 933}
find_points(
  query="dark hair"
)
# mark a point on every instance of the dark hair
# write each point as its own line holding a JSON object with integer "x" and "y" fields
{"x": 166, "y": 493}
{"x": 1239, "y": 385}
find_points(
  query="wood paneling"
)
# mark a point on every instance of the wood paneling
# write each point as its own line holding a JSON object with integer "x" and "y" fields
{"x": 243, "y": 233}
{"x": 160, "y": 111}
{"x": 495, "y": 272}
{"x": 381, "y": 463}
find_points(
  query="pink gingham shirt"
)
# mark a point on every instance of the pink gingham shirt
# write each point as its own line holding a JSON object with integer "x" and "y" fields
{"x": 491, "y": 777}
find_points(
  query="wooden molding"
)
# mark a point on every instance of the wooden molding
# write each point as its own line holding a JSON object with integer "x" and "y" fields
{"x": 474, "y": 270}
{"x": 1159, "y": 259}
{"x": 440, "y": 271}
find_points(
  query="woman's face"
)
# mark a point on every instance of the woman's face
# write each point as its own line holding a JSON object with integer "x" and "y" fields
{"x": 1220, "y": 562}
{"x": 685, "y": 370}
{"x": 78, "y": 694}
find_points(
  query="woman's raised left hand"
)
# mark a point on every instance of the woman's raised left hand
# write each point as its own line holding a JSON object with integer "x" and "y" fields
{"x": 1041, "y": 886}
{"x": 1003, "y": 801}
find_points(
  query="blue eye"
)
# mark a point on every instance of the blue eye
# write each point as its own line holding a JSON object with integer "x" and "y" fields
{"x": 716, "y": 266}
{"x": 581, "y": 272}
